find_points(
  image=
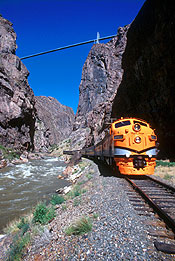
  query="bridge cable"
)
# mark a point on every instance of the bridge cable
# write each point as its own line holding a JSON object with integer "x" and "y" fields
{"x": 66, "y": 47}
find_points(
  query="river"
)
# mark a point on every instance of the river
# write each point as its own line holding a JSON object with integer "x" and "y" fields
{"x": 23, "y": 185}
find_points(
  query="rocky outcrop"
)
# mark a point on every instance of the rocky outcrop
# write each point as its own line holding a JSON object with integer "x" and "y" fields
{"x": 101, "y": 76}
{"x": 26, "y": 122}
{"x": 147, "y": 90}
{"x": 53, "y": 124}
{"x": 17, "y": 113}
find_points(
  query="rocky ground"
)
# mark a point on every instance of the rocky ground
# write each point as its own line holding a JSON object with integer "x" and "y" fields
{"x": 118, "y": 233}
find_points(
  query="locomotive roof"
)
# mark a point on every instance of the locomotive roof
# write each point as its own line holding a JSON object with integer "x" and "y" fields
{"x": 124, "y": 119}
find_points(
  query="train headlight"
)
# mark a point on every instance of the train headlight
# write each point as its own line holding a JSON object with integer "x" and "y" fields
{"x": 118, "y": 137}
{"x": 137, "y": 139}
{"x": 137, "y": 127}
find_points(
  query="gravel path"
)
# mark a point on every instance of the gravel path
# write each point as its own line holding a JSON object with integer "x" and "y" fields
{"x": 118, "y": 233}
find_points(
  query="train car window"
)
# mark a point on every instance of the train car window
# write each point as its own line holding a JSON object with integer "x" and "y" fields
{"x": 122, "y": 123}
{"x": 141, "y": 123}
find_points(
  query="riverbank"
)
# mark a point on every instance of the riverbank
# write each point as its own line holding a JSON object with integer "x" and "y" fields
{"x": 117, "y": 232}
{"x": 24, "y": 185}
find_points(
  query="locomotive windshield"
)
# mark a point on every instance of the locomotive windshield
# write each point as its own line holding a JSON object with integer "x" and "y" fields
{"x": 141, "y": 123}
{"x": 122, "y": 124}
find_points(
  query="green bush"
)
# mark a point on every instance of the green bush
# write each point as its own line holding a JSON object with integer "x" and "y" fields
{"x": 57, "y": 200}
{"x": 53, "y": 147}
{"x": 23, "y": 226}
{"x": 64, "y": 207}
{"x": 82, "y": 226}
{"x": 164, "y": 163}
{"x": 167, "y": 176}
{"x": 77, "y": 202}
{"x": 81, "y": 182}
{"x": 88, "y": 176}
{"x": 43, "y": 214}
{"x": 17, "y": 247}
{"x": 9, "y": 153}
{"x": 75, "y": 192}
{"x": 95, "y": 215}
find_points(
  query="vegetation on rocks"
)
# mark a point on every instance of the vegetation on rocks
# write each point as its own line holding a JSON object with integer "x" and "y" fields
{"x": 164, "y": 163}
{"x": 8, "y": 153}
{"x": 20, "y": 240}
{"x": 82, "y": 226}
{"x": 56, "y": 200}
{"x": 43, "y": 214}
{"x": 57, "y": 149}
{"x": 165, "y": 170}
{"x": 27, "y": 228}
{"x": 75, "y": 192}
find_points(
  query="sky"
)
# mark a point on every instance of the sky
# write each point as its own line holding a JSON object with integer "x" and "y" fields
{"x": 43, "y": 25}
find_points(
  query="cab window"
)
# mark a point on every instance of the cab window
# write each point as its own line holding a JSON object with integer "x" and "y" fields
{"x": 122, "y": 124}
{"x": 141, "y": 123}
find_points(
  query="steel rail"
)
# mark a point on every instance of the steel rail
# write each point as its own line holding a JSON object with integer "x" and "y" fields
{"x": 162, "y": 214}
{"x": 66, "y": 47}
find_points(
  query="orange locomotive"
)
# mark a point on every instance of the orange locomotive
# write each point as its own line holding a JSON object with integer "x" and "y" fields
{"x": 130, "y": 145}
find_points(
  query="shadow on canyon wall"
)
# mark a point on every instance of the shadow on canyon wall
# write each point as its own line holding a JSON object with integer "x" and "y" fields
{"x": 147, "y": 89}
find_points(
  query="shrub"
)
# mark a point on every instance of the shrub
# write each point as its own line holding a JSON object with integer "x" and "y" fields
{"x": 81, "y": 182}
{"x": 20, "y": 241}
{"x": 82, "y": 226}
{"x": 57, "y": 200}
{"x": 23, "y": 226}
{"x": 43, "y": 214}
{"x": 75, "y": 192}
{"x": 89, "y": 176}
{"x": 167, "y": 176}
{"x": 9, "y": 153}
{"x": 95, "y": 215}
{"x": 53, "y": 147}
{"x": 164, "y": 163}
{"x": 64, "y": 207}
{"x": 18, "y": 246}
{"x": 77, "y": 202}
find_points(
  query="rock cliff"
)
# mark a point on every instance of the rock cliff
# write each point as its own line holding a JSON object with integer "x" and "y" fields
{"x": 17, "y": 112}
{"x": 147, "y": 89}
{"x": 53, "y": 124}
{"x": 26, "y": 122}
{"x": 101, "y": 76}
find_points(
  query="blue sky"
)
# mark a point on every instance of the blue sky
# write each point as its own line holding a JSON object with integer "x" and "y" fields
{"x": 48, "y": 24}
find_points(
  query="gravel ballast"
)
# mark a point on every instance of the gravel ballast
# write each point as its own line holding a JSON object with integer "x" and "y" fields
{"x": 118, "y": 232}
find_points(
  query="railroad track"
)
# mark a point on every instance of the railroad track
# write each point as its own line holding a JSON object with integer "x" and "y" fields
{"x": 159, "y": 196}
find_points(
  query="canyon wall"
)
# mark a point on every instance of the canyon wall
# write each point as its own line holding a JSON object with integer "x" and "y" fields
{"x": 131, "y": 75}
{"x": 101, "y": 76}
{"x": 26, "y": 122}
{"x": 54, "y": 122}
{"x": 17, "y": 112}
{"x": 147, "y": 89}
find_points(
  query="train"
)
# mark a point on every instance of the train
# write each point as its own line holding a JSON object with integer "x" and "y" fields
{"x": 130, "y": 146}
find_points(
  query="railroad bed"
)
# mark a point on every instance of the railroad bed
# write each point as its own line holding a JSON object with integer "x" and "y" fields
{"x": 161, "y": 198}
{"x": 118, "y": 232}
